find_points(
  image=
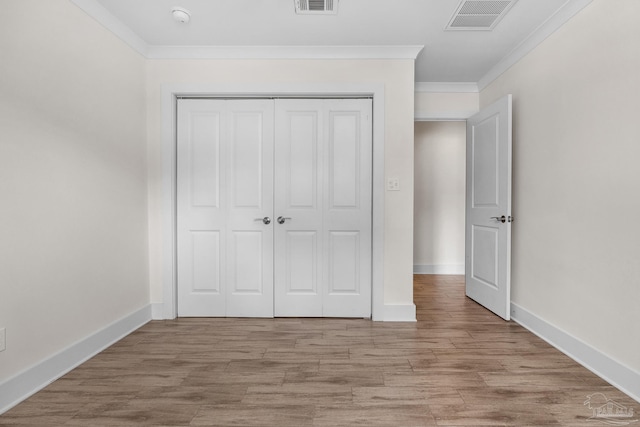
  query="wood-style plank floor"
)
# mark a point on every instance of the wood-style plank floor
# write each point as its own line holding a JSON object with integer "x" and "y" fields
{"x": 459, "y": 365}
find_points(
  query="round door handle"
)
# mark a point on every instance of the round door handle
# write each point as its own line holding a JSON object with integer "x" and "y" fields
{"x": 282, "y": 219}
{"x": 266, "y": 220}
{"x": 502, "y": 218}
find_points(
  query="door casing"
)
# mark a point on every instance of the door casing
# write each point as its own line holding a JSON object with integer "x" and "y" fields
{"x": 170, "y": 94}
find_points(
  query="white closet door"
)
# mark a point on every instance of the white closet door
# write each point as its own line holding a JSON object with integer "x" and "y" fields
{"x": 249, "y": 223}
{"x": 225, "y": 190}
{"x": 201, "y": 216}
{"x": 313, "y": 246}
{"x": 323, "y": 200}
{"x": 347, "y": 208}
{"x": 299, "y": 186}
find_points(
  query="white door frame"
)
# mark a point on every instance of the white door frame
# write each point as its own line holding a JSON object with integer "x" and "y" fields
{"x": 170, "y": 94}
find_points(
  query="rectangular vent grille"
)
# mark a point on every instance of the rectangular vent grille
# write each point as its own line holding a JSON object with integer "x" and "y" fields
{"x": 475, "y": 15}
{"x": 316, "y": 7}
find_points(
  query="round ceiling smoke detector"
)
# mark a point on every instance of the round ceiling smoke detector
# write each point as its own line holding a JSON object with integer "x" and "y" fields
{"x": 181, "y": 15}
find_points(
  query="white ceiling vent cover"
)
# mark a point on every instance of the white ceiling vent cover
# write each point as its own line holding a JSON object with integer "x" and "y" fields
{"x": 478, "y": 15}
{"x": 316, "y": 7}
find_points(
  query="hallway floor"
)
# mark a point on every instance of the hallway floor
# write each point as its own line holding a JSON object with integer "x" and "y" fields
{"x": 459, "y": 365}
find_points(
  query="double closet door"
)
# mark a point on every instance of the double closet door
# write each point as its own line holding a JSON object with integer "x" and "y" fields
{"x": 274, "y": 207}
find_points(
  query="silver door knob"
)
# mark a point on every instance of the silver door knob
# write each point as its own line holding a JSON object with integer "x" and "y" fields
{"x": 502, "y": 218}
{"x": 282, "y": 219}
{"x": 266, "y": 220}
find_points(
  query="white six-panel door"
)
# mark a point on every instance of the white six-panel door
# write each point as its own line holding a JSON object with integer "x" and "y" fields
{"x": 229, "y": 236}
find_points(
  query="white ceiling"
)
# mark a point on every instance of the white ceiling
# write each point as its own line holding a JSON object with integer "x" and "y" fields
{"x": 448, "y": 56}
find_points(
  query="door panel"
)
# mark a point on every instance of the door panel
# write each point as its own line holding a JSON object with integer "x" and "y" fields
{"x": 344, "y": 262}
{"x": 485, "y": 152}
{"x": 206, "y": 261}
{"x": 302, "y": 263}
{"x": 247, "y": 162}
{"x": 302, "y": 178}
{"x": 344, "y": 159}
{"x": 485, "y": 255}
{"x": 204, "y": 159}
{"x": 488, "y": 239}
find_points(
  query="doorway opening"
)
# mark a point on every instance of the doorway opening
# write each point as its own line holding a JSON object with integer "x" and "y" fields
{"x": 439, "y": 198}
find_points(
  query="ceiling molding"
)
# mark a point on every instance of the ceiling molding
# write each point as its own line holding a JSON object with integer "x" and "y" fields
{"x": 95, "y": 10}
{"x": 550, "y": 26}
{"x": 283, "y": 52}
{"x": 113, "y": 24}
{"x": 446, "y": 87}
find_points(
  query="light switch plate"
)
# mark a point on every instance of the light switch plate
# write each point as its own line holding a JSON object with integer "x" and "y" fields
{"x": 393, "y": 184}
{"x": 3, "y": 341}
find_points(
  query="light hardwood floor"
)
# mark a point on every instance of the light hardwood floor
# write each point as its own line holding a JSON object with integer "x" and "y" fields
{"x": 459, "y": 365}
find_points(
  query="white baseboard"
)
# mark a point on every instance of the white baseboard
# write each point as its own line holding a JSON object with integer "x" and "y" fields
{"x": 399, "y": 313}
{"x": 24, "y": 384}
{"x": 614, "y": 372}
{"x": 439, "y": 269}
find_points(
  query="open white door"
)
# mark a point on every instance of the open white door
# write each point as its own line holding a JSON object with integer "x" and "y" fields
{"x": 488, "y": 208}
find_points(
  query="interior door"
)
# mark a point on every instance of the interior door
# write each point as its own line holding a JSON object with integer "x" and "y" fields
{"x": 299, "y": 207}
{"x": 224, "y": 207}
{"x": 323, "y": 208}
{"x": 488, "y": 207}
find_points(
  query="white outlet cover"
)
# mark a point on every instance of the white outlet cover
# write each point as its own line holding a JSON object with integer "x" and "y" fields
{"x": 393, "y": 184}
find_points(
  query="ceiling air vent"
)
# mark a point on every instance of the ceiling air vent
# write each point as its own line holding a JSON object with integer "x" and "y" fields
{"x": 474, "y": 15}
{"x": 316, "y": 7}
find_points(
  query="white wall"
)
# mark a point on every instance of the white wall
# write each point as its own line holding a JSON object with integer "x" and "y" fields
{"x": 72, "y": 180}
{"x": 396, "y": 75}
{"x": 576, "y": 194}
{"x": 446, "y": 106}
{"x": 439, "y": 164}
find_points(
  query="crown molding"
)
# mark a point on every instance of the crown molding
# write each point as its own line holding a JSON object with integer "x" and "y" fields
{"x": 104, "y": 17}
{"x": 113, "y": 24}
{"x": 283, "y": 52}
{"x": 446, "y": 87}
{"x": 540, "y": 34}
